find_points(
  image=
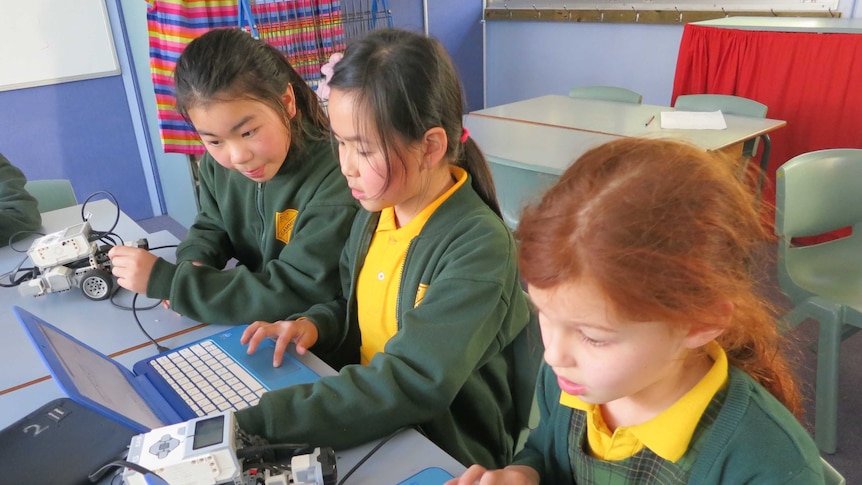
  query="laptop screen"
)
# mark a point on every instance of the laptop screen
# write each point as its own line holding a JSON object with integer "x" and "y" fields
{"x": 99, "y": 379}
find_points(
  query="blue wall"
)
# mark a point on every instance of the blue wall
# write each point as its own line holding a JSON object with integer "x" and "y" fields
{"x": 528, "y": 59}
{"x": 78, "y": 130}
{"x": 458, "y": 25}
{"x": 84, "y": 131}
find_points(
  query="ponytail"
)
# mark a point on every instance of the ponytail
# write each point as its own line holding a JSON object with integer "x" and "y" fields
{"x": 474, "y": 162}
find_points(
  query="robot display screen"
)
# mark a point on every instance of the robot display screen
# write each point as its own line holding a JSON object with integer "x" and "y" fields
{"x": 208, "y": 432}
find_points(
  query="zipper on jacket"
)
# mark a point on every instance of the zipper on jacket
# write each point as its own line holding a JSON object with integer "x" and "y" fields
{"x": 359, "y": 260}
{"x": 260, "y": 214}
{"x": 401, "y": 284}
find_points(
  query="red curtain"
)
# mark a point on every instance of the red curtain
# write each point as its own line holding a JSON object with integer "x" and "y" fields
{"x": 811, "y": 80}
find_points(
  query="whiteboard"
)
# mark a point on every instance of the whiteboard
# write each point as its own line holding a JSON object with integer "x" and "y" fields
{"x": 52, "y": 41}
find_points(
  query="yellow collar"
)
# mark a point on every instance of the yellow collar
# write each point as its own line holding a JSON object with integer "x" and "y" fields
{"x": 669, "y": 434}
{"x": 387, "y": 215}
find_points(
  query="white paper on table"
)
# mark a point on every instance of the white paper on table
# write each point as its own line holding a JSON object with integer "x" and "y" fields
{"x": 693, "y": 120}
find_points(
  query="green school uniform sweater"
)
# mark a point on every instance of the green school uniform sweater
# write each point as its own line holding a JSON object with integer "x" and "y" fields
{"x": 286, "y": 234}
{"x": 449, "y": 368}
{"x": 744, "y": 436}
{"x": 18, "y": 209}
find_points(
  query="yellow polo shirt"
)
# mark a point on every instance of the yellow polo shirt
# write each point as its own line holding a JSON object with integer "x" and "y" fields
{"x": 668, "y": 434}
{"x": 380, "y": 277}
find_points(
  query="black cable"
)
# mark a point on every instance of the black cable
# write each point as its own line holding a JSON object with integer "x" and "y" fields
{"x": 128, "y": 308}
{"x": 158, "y": 302}
{"x": 250, "y": 451}
{"x": 116, "y": 216}
{"x": 15, "y": 280}
{"x": 107, "y": 238}
{"x": 11, "y": 241}
{"x": 28, "y": 273}
{"x": 371, "y": 452}
{"x": 128, "y": 464}
{"x": 164, "y": 247}
{"x": 159, "y": 346}
{"x": 134, "y": 308}
{"x": 12, "y": 245}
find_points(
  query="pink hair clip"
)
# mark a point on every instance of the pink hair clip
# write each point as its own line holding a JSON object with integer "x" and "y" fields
{"x": 465, "y": 133}
{"x": 327, "y": 71}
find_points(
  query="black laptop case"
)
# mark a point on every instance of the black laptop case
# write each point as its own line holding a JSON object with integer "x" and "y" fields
{"x": 60, "y": 443}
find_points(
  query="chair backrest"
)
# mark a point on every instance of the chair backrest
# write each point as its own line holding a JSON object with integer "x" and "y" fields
{"x": 606, "y": 93}
{"x": 734, "y": 105}
{"x": 816, "y": 193}
{"x": 516, "y": 187}
{"x": 728, "y": 104}
{"x": 52, "y": 194}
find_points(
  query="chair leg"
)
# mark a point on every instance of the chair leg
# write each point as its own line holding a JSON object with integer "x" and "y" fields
{"x": 826, "y": 386}
{"x": 764, "y": 160}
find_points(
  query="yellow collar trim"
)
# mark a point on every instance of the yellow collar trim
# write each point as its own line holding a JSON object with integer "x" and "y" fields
{"x": 669, "y": 434}
{"x": 387, "y": 215}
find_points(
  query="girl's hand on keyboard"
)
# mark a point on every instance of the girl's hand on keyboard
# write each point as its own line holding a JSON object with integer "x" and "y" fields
{"x": 301, "y": 331}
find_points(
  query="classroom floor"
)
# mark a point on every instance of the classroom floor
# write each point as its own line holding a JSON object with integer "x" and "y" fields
{"x": 845, "y": 460}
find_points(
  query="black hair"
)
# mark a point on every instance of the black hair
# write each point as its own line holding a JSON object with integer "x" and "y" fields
{"x": 230, "y": 64}
{"x": 410, "y": 84}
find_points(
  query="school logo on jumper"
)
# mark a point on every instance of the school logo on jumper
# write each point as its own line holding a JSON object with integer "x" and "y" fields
{"x": 420, "y": 294}
{"x": 284, "y": 221}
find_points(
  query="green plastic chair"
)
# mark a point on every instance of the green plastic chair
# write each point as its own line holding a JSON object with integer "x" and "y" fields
{"x": 831, "y": 474}
{"x": 606, "y": 93}
{"x": 516, "y": 187}
{"x": 818, "y": 193}
{"x": 52, "y": 194}
{"x": 733, "y": 105}
{"x": 528, "y": 352}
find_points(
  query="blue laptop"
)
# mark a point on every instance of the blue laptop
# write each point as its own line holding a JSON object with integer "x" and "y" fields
{"x": 429, "y": 476}
{"x": 208, "y": 376}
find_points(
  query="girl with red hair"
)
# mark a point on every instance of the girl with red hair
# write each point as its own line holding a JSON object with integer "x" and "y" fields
{"x": 662, "y": 362}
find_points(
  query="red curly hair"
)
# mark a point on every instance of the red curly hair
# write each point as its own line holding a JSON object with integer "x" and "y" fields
{"x": 667, "y": 231}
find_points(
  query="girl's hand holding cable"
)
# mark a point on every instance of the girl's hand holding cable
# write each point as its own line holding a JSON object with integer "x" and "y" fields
{"x": 132, "y": 267}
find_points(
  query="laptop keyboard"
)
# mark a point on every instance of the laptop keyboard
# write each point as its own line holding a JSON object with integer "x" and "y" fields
{"x": 208, "y": 380}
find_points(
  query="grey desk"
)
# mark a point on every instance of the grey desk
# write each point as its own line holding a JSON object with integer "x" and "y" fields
{"x": 25, "y": 385}
{"x": 625, "y": 119}
{"x": 543, "y": 148}
{"x": 525, "y": 158}
{"x": 530, "y": 143}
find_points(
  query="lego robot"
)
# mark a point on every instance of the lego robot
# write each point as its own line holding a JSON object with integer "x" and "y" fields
{"x": 66, "y": 259}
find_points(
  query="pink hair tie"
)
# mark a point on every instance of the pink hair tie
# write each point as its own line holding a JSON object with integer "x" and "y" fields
{"x": 465, "y": 133}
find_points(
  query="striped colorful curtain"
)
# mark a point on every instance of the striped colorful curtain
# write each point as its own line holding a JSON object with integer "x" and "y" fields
{"x": 308, "y": 32}
{"x": 171, "y": 25}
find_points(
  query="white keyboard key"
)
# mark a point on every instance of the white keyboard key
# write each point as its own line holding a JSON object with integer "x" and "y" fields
{"x": 207, "y": 379}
